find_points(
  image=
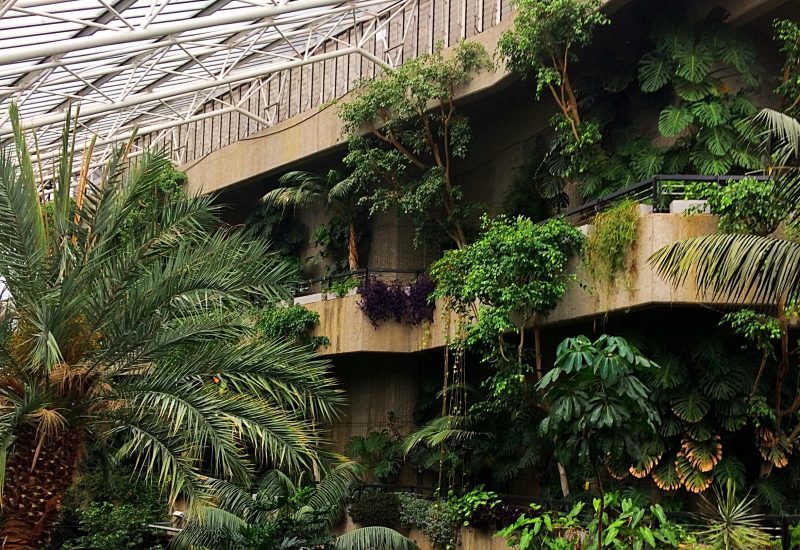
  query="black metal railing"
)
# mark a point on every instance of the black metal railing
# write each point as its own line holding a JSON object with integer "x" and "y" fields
{"x": 658, "y": 191}
{"x": 324, "y": 284}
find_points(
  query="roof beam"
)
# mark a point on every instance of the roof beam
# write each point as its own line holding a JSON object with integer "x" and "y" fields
{"x": 138, "y": 99}
{"x": 159, "y": 30}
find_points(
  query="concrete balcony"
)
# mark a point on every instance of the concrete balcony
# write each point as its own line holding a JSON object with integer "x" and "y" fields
{"x": 350, "y": 331}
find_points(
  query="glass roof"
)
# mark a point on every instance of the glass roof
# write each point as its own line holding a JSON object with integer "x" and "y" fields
{"x": 152, "y": 64}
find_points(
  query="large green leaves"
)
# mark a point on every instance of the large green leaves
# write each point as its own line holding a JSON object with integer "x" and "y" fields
{"x": 673, "y": 120}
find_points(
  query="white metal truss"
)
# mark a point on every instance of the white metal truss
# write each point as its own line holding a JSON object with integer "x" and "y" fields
{"x": 151, "y": 66}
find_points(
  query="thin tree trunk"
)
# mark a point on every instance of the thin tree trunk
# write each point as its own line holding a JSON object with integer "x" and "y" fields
{"x": 352, "y": 248}
{"x": 35, "y": 486}
{"x": 562, "y": 477}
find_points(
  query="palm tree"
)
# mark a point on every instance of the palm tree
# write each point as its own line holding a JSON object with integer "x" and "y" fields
{"x": 755, "y": 269}
{"x": 337, "y": 192}
{"x": 134, "y": 343}
{"x": 278, "y": 504}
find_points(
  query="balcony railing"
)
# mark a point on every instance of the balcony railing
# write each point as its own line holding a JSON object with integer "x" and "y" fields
{"x": 658, "y": 191}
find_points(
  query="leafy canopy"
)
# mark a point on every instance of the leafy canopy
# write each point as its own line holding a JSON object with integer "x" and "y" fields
{"x": 414, "y": 133}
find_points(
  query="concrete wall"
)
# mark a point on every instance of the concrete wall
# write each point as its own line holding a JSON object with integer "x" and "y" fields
{"x": 469, "y": 538}
{"x": 350, "y": 331}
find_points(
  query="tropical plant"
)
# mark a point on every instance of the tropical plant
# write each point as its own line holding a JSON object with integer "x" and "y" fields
{"x": 600, "y": 410}
{"x": 731, "y": 523}
{"x": 286, "y": 513}
{"x": 397, "y": 301}
{"x": 708, "y": 121}
{"x": 117, "y": 343}
{"x": 702, "y": 392}
{"x": 114, "y": 527}
{"x": 415, "y": 133}
{"x": 747, "y": 205}
{"x": 379, "y": 452}
{"x": 629, "y": 527}
{"x": 787, "y": 33}
{"x": 514, "y": 273}
{"x": 339, "y": 193}
{"x": 755, "y": 269}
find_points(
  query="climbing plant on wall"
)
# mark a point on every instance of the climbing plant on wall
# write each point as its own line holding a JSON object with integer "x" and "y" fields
{"x": 415, "y": 134}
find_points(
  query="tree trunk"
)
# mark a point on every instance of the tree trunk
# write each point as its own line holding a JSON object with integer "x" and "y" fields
{"x": 35, "y": 486}
{"x": 352, "y": 248}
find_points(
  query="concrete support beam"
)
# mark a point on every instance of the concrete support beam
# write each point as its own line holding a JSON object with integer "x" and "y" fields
{"x": 740, "y": 12}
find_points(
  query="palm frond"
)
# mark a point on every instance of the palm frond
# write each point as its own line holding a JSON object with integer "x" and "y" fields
{"x": 374, "y": 538}
{"x": 744, "y": 268}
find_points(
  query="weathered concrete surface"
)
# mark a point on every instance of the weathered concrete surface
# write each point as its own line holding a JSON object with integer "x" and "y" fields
{"x": 305, "y": 135}
{"x": 469, "y": 538}
{"x": 639, "y": 287}
{"x": 351, "y": 331}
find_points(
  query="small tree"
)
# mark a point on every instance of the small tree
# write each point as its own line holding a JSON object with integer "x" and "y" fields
{"x": 513, "y": 274}
{"x": 544, "y": 44}
{"x": 600, "y": 411}
{"x": 414, "y": 134}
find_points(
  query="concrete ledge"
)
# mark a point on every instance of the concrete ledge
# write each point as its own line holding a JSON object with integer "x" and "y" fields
{"x": 639, "y": 287}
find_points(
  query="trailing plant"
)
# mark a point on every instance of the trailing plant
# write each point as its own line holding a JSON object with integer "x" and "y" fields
{"x": 396, "y": 301}
{"x": 414, "y": 134}
{"x": 379, "y": 453}
{"x": 435, "y": 519}
{"x": 380, "y": 508}
{"x": 607, "y": 248}
{"x": 494, "y": 516}
{"x": 787, "y": 33}
{"x": 748, "y": 205}
{"x": 292, "y": 323}
{"x": 544, "y": 43}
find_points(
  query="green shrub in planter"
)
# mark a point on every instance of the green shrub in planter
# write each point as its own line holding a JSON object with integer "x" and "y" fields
{"x": 373, "y": 508}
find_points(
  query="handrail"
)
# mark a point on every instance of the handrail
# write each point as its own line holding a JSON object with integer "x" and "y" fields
{"x": 361, "y": 274}
{"x": 652, "y": 183}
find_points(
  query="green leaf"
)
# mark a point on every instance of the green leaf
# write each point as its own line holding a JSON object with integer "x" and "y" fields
{"x": 711, "y": 112}
{"x": 674, "y": 119}
{"x": 708, "y": 163}
{"x": 718, "y": 140}
{"x": 654, "y": 73}
{"x": 691, "y": 407}
{"x": 694, "y": 64}
{"x": 692, "y": 91}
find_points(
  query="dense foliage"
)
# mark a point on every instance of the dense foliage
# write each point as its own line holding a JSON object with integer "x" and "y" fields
{"x": 787, "y": 33}
{"x": 290, "y": 324}
{"x": 747, "y": 205}
{"x": 369, "y": 508}
{"x": 613, "y": 234}
{"x": 396, "y": 301}
{"x": 118, "y": 340}
{"x": 379, "y": 453}
{"x": 415, "y": 134}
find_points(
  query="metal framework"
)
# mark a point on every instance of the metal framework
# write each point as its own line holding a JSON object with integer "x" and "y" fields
{"x": 153, "y": 66}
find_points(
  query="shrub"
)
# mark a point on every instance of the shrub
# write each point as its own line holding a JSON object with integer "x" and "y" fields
{"x": 375, "y": 508}
{"x": 381, "y": 301}
{"x": 748, "y": 205}
{"x": 114, "y": 527}
{"x": 293, "y": 323}
{"x": 435, "y": 519}
{"x": 378, "y": 451}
